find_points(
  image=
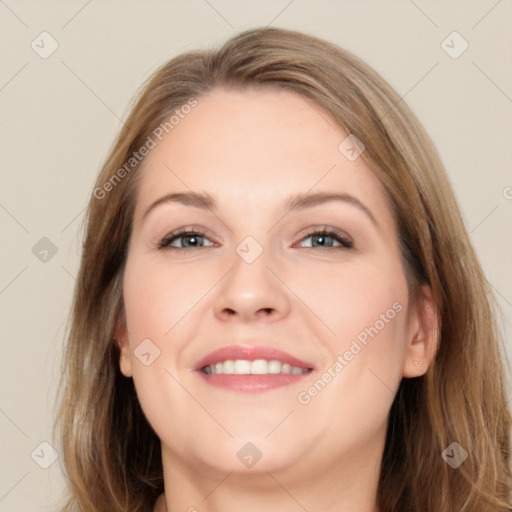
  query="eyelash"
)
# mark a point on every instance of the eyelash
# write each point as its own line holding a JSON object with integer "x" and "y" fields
{"x": 339, "y": 236}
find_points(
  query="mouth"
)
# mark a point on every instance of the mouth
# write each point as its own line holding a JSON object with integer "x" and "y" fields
{"x": 251, "y": 368}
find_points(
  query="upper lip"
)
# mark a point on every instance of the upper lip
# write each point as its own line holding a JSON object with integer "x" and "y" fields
{"x": 250, "y": 353}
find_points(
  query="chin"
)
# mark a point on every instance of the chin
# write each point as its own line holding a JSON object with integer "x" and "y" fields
{"x": 250, "y": 454}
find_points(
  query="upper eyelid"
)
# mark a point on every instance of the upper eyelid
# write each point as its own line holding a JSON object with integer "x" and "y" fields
{"x": 187, "y": 231}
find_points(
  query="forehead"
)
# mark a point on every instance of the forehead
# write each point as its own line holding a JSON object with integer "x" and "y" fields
{"x": 255, "y": 146}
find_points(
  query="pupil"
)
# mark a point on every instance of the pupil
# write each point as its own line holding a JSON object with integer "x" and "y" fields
{"x": 320, "y": 239}
{"x": 192, "y": 237}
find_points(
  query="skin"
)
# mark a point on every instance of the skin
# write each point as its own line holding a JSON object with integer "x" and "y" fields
{"x": 251, "y": 149}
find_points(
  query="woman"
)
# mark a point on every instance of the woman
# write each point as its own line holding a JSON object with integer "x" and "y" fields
{"x": 278, "y": 305}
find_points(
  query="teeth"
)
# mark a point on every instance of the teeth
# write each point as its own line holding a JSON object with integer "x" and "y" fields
{"x": 241, "y": 367}
{"x": 274, "y": 366}
{"x": 257, "y": 367}
{"x": 227, "y": 367}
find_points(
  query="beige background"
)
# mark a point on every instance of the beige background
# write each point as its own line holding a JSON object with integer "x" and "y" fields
{"x": 60, "y": 115}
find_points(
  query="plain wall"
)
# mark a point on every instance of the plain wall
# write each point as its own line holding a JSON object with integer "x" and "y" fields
{"x": 60, "y": 115}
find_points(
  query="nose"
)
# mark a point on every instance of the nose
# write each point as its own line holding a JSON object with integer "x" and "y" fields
{"x": 252, "y": 292}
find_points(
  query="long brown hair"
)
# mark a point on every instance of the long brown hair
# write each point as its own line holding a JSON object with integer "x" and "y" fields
{"x": 111, "y": 455}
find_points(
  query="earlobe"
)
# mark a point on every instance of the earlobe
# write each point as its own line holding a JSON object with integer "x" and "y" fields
{"x": 125, "y": 360}
{"x": 423, "y": 338}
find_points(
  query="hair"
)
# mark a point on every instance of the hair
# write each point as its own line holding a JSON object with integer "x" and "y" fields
{"x": 112, "y": 457}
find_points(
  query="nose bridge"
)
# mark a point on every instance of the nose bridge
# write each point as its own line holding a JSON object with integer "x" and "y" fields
{"x": 251, "y": 289}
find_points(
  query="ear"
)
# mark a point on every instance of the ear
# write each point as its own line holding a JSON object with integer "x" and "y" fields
{"x": 423, "y": 335}
{"x": 125, "y": 359}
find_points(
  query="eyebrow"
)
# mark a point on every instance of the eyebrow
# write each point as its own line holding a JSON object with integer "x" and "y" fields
{"x": 295, "y": 202}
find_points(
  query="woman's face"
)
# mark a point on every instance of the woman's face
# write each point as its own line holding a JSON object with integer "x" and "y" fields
{"x": 260, "y": 343}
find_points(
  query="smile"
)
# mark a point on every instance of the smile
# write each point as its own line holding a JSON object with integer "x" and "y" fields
{"x": 249, "y": 368}
{"x": 256, "y": 367}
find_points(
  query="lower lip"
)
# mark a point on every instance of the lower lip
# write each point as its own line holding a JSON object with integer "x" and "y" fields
{"x": 253, "y": 383}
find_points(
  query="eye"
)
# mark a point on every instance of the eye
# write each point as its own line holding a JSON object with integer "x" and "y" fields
{"x": 192, "y": 237}
{"x": 327, "y": 237}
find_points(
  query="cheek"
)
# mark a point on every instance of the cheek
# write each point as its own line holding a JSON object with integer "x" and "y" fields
{"x": 167, "y": 406}
{"x": 352, "y": 299}
{"x": 157, "y": 298}
{"x": 355, "y": 390}
{"x": 364, "y": 307}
